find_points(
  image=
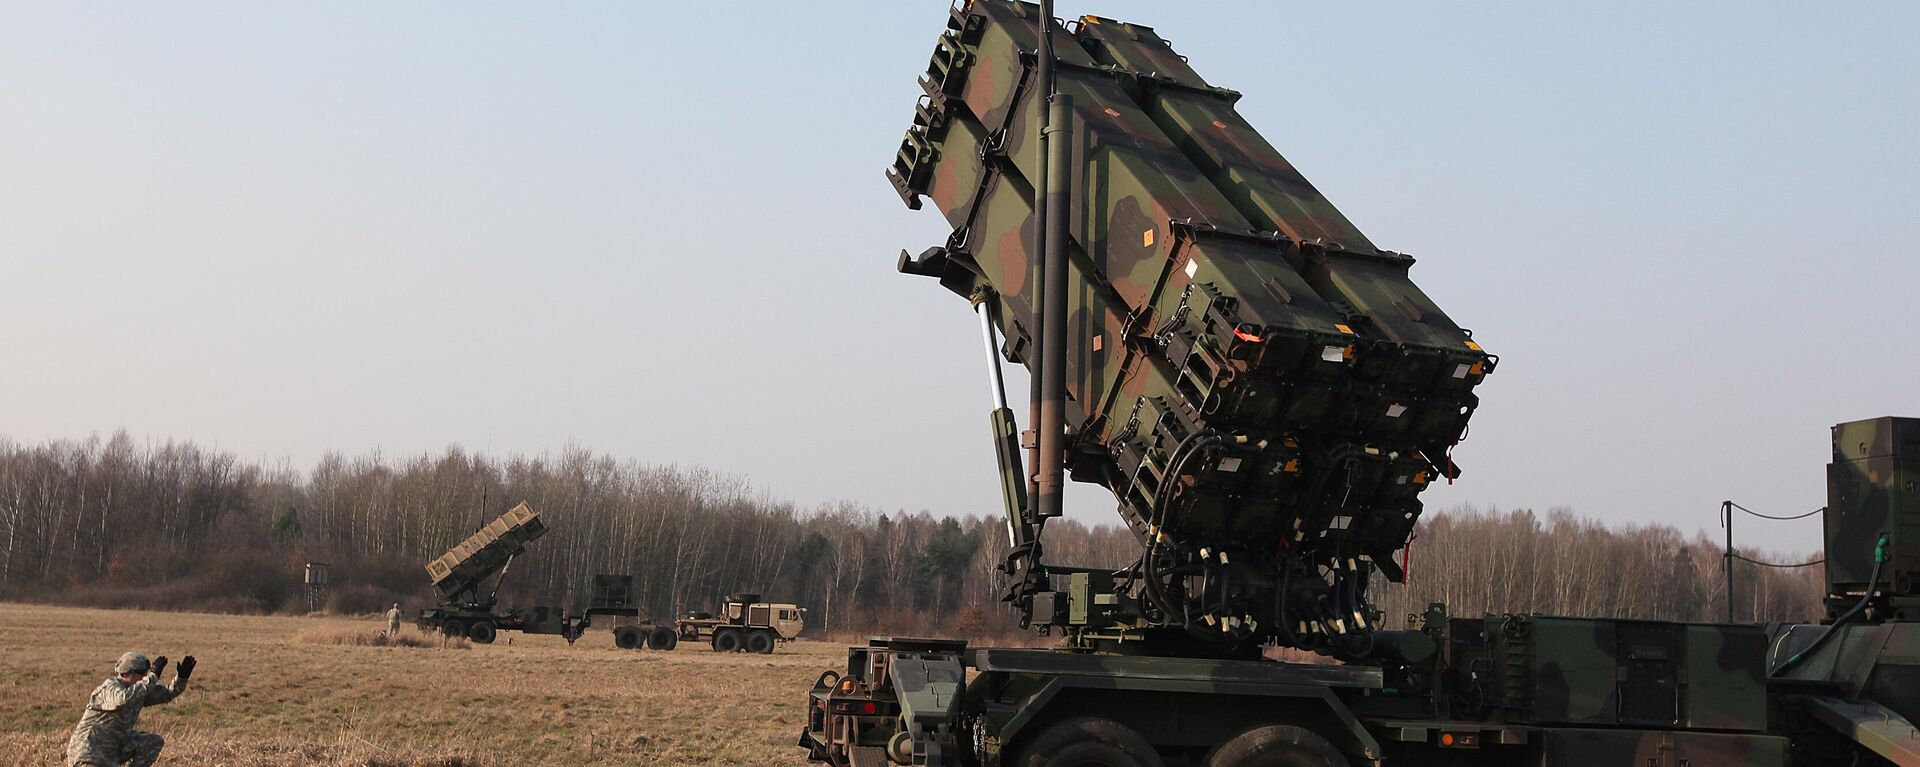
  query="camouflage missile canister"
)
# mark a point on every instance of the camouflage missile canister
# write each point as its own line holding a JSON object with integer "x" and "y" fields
{"x": 485, "y": 552}
{"x": 1265, "y": 390}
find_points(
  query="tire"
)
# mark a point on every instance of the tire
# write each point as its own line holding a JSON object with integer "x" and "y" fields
{"x": 1276, "y": 745}
{"x": 482, "y": 632}
{"x": 661, "y": 638}
{"x": 628, "y": 637}
{"x": 454, "y": 628}
{"x": 1087, "y": 742}
{"x": 760, "y": 642}
{"x": 726, "y": 640}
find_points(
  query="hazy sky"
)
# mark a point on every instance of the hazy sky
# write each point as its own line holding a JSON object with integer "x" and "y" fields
{"x": 661, "y": 231}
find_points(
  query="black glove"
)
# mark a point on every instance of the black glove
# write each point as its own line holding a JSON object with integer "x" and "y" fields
{"x": 186, "y": 668}
{"x": 159, "y": 665}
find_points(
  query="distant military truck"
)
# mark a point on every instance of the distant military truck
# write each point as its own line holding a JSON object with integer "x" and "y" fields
{"x": 744, "y": 623}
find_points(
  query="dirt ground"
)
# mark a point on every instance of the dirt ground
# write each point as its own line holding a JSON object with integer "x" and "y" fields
{"x": 262, "y": 696}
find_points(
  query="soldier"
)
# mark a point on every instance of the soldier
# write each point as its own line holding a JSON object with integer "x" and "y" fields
{"x": 106, "y": 736}
{"x": 393, "y": 622}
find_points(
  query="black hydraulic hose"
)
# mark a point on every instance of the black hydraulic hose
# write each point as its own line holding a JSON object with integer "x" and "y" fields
{"x": 1357, "y": 596}
{"x": 1873, "y": 582}
{"x": 1176, "y": 463}
{"x": 1350, "y": 593}
{"x": 1280, "y": 608}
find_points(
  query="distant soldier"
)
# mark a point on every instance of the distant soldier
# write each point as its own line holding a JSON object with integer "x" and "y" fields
{"x": 393, "y": 622}
{"x": 106, "y": 736}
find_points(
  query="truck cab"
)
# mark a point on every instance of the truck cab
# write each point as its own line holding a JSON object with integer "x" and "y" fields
{"x": 745, "y": 622}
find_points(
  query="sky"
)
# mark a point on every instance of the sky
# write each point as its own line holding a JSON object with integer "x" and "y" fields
{"x": 662, "y": 232}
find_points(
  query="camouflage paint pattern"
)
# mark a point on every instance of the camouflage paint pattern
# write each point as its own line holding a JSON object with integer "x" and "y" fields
{"x": 1216, "y": 298}
{"x": 1873, "y": 490}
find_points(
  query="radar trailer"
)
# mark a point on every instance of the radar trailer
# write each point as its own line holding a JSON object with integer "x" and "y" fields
{"x": 1266, "y": 393}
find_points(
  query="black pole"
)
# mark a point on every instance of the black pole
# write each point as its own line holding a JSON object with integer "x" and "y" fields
{"x": 1726, "y": 514}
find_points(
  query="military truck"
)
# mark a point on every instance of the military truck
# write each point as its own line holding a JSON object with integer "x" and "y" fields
{"x": 743, "y": 623}
{"x": 1266, "y": 393}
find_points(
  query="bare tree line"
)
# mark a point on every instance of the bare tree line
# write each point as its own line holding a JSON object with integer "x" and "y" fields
{"x": 175, "y": 526}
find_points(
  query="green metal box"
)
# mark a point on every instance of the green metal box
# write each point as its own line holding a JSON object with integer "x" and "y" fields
{"x": 1873, "y": 490}
{"x": 1580, "y": 671}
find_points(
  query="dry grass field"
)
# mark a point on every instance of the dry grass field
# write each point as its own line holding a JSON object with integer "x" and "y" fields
{"x": 264, "y": 695}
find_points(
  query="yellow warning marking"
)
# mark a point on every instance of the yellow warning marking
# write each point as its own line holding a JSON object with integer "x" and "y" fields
{"x": 1472, "y": 345}
{"x": 1146, "y": 239}
{"x": 1348, "y": 330}
{"x": 1477, "y": 369}
{"x": 1218, "y": 124}
{"x": 1110, "y": 112}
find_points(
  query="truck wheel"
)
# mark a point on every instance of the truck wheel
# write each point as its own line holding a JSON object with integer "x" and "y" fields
{"x": 628, "y": 637}
{"x": 1087, "y": 742}
{"x": 454, "y": 628}
{"x": 1276, "y": 745}
{"x": 481, "y": 632}
{"x": 661, "y": 638}
{"x": 760, "y": 642}
{"x": 726, "y": 640}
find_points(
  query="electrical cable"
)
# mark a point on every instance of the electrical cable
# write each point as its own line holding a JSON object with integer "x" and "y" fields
{"x": 1772, "y": 517}
{"x": 1821, "y": 560}
{"x": 1873, "y": 582}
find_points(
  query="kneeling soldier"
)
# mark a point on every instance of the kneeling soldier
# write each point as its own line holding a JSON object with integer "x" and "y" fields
{"x": 106, "y": 736}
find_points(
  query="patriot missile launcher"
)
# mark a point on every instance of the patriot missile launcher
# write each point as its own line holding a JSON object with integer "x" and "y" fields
{"x": 1264, "y": 390}
{"x": 1267, "y": 393}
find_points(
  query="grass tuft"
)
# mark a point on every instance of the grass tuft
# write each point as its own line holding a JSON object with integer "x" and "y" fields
{"x": 355, "y": 636}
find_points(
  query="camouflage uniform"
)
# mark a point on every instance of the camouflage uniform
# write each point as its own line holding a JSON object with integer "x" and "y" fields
{"x": 106, "y": 736}
{"x": 393, "y": 622}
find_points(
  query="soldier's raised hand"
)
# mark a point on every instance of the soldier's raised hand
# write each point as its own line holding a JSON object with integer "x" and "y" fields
{"x": 186, "y": 668}
{"x": 159, "y": 665}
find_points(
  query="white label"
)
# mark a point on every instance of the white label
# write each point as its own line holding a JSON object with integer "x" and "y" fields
{"x": 1341, "y": 522}
{"x": 1460, "y": 371}
{"x": 1229, "y": 464}
{"x": 1394, "y": 411}
{"x": 1192, "y": 266}
{"x": 1334, "y": 354}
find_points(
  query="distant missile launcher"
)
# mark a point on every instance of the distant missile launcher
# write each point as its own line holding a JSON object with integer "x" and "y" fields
{"x": 486, "y": 553}
{"x": 1252, "y": 377}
